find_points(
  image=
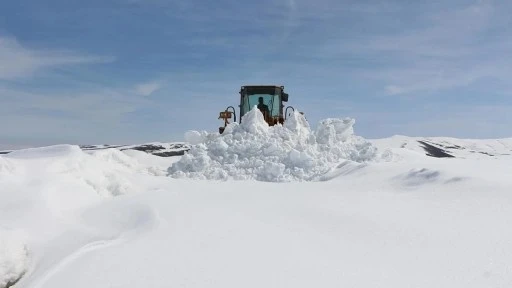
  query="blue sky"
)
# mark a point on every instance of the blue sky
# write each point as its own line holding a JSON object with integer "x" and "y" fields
{"x": 129, "y": 71}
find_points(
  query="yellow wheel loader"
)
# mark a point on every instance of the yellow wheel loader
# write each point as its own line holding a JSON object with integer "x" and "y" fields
{"x": 268, "y": 99}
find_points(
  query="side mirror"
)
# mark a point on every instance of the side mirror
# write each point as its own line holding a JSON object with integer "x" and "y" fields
{"x": 285, "y": 97}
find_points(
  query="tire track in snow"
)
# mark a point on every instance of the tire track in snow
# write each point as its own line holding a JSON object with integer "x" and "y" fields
{"x": 90, "y": 247}
{"x": 113, "y": 223}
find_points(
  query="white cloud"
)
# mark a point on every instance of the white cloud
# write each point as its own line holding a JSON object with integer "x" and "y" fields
{"x": 17, "y": 61}
{"x": 456, "y": 49}
{"x": 391, "y": 89}
{"x": 417, "y": 48}
{"x": 146, "y": 89}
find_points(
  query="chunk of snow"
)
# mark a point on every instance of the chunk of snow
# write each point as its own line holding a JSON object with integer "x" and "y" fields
{"x": 13, "y": 258}
{"x": 254, "y": 122}
{"x": 195, "y": 137}
{"x": 334, "y": 130}
{"x": 289, "y": 152}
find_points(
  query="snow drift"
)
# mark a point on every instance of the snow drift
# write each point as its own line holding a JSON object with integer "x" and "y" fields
{"x": 281, "y": 153}
{"x": 47, "y": 190}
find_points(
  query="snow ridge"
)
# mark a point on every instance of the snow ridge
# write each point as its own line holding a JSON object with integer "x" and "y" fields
{"x": 253, "y": 150}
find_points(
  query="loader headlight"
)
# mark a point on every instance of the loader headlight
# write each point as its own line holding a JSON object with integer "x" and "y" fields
{"x": 225, "y": 115}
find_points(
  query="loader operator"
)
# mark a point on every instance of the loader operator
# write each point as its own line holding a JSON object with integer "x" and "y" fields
{"x": 263, "y": 108}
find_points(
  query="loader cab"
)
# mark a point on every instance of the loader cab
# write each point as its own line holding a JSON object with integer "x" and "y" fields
{"x": 269, "y": 99}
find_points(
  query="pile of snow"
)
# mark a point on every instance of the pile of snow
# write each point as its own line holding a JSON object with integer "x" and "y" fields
{"x": 13, "y": 258}
{"x": 67, "y": 177}
{"x": 45, "y": 191}
{"x": 281, "y": 153}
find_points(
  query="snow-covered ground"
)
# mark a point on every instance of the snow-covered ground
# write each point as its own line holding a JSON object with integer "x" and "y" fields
{"x": 154, "y": 148}
{"x": 328, "y": 209}
{"x": 459, "y": 148}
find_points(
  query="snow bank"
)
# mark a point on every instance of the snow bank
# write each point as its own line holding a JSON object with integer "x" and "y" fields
{"x": 289, "y": 152}
{"x": 13, "y": 258}
{"x": 54, "y": 151}
{"x": 65, "y": 172}
{"x": 43, "y": 192}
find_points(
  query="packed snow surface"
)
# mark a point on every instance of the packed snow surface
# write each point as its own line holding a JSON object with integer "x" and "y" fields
{"x": 281, "y": 153}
